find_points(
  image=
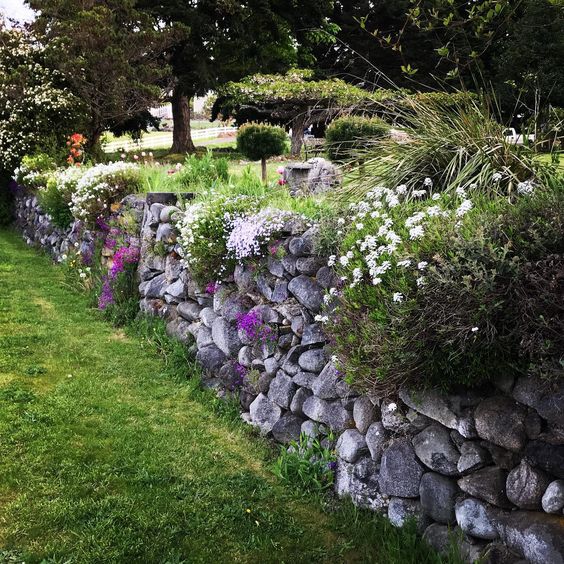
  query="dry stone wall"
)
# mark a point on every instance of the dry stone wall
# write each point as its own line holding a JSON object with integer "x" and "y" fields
{"x": 487, "y": 463}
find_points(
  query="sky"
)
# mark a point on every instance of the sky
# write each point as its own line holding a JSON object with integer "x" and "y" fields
{"x": 16, "y": 9}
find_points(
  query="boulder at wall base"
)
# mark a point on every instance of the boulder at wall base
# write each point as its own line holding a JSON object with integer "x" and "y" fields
{"x": 211, "y": 358}
{"x": 501, "y": 421}
{"x": 225, "y": 337}
{"x": 287, "y": 428}
{"x": 401, "y": 509}
{"x": 264, "y": 413}
{"x": 437, "y": 495}
{"x": 351, "y": 445}
{"x": 359, "y": 482}
{"x": 526, "y": 485}
{"x": 474, "y": 517}
{"x": 400, "y": 471}
{"x": 538, "y": 537}
{"x": 435, "y": 449}
{"x": 282, "y": 390}
{"x": 487, "y": 484}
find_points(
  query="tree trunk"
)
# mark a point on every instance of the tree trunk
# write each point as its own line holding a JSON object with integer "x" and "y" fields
{"x": 298, "y": 124}
{"x": 181, "y": 136}
{"x": 263, "y": 168}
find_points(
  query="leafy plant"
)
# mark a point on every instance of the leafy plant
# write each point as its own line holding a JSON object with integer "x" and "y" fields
{"x": 54, "y": 202}
{"x": 260, "y": 142}
{"x": 345, "y": 135}
{"x": 307, "y": 463}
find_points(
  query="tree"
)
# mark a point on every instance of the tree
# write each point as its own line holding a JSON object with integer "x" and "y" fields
{"x": 37, "y": 109}
{"x": 294, "y": 100}
{"x": 223, "y": 40}
{"x": 108, "y": 51}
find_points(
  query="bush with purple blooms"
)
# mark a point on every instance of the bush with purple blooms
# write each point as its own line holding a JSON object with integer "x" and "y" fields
{"x": 252, "y": 325}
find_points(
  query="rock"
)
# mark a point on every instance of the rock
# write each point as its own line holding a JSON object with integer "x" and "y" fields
{"x": 225, "y": 337}
{"x": 289, "y": 264}
{"x": 310, "y": 429}
{"x": 351, "y": 445}
{"x": 473, "y": 517}
{"x": 504, "y": 382}
{"x": 298, "y": 401}
{"x": 359, "y": 482}
{"x": 167, "y": 213}
{"x": 435, "y": 449}
{"x": 430, "y": 403}
{"x": 400, "y": 471}
{"x": 546, "y": 456}
{"x": 533, "y": 425}
{"x": 211, "y": 358}
{"x": 338, "y": 418}
{"x": 312, "y": 334}
{"x": 487, "y": 484}
{"x": 526, "y": 485}
{"x": 173, "y": 268}
{"x": 166, "y": 233}
{"x": 437, "y": 495}
{"x": 275, "y": 267}
{"x": 282, "y": 390}
{"x": 263, "y": 384}
{"x": 156, "y": 286}
{"x": 307, "y": 291}
{"x": 175, "y": 292}
{"x": 305, "y": 379}
{"x": 271, "y": 366}
{"x": 220, "y": 296}
{"x": 503, "y": 458}
{"x": 392, "y": 418}
{"x": 472, "y": 457}
{"x": 208, "y": 316}
{"x": 280, "y": 292}
{"x": 400, "y": 510}
{"x": 418, "y": 421}
{"x": 298, "y": 246}
{"x": 553, "y": 498}
{"x": 536, "y": 536}
{"x": 327, "y": 278}
{"x": 547, "y": 398}
{"x": 204, "y": 337}
{"x": 189, "y": 310}
{"x": 438, "y": 537}
{"x": 376, "y": 439}
{"x": 309, "y": 265}
{"x": 245, "y": 356}
{"x": 502, "y": 422}
{"x": 363, "y": 413}
{"x": 264, "y": 413}
{"x": 179, "y": 329}
{"x": 325, "y": 386}
{"x": 313, "y": 360}
{"x": 235, "y": 305}
{"x": 287, "y": 428}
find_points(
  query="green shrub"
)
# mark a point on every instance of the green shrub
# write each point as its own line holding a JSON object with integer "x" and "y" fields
{"x": 346, "y": 135}
{"x": 258, "y": 142}
{"x": 55, "y": 202}
{"x": 202, "y": 172}
{"x": 35, "y": 170}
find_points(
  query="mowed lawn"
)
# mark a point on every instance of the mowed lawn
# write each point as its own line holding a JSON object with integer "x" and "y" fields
{"x": 106, "y": 457}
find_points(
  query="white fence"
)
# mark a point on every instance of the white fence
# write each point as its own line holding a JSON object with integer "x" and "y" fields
{"x": 163, "y": 139}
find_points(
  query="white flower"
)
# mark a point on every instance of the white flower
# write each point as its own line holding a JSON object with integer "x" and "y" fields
{"x": 82, "y": 274}
{"x": 397, "y": 297}
{"x": 422, "y": 265}
{"x": 64, "y": 257}
{"x": 461, "y": 192}
{"x": 341, "y": 221}
{"x": 344, "y": 260}
{"x": 464, "y": 208}
{"x": 418, "y": 193}
{"x": 376, "y": 281}
{"x": 416, "y": 232}
{"x": 475, "y": 329}
{"x": 433, "y": 211}
{"x": 404, "y": 263}
{"x": 428, "y": 183}
{"x": 526, "y": 187}
{"x": 496, "y": 176}
{"x": 76, "y": 244}
{"x": 401, "y": 189}
{"x": 420, "y": 281}
{"x": 392, "y": 406}
{"x": 332, "y": 260}
{"x": 435, "y": 196}
{"x": 360, "y": 226}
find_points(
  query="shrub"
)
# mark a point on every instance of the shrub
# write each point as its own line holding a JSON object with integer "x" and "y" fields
{"x": 346, "y": 135}
{"x": 449, "y": 290}
{"x": 202, "y": 172}
{"x": 35, "y": 170}
{"x": 260, "y": 142}
{"x": 54, "y": 202}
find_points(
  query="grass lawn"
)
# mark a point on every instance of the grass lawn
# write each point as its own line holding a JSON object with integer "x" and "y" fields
{"x": 107, "y": 455}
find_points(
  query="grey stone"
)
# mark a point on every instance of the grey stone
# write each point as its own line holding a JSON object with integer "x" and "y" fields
{"x": 313, "y": 360}
{"x": 438, "y": 537}
{"x": 264, "y": 413}
{"x": 204, "y": 337}
{"x": 546, "y": 456}
{"x": 275, "y": 267}
{"x": 167, "y": 213}
{"x": 418, "y": 421}
{"x": 267, "y": 313}
{"x": 264, "y": 382}
{"x": 179, "y": 329}
{"x": 155, "y": 287}
{"x": 282, "y": 390}
{"x": 501, "y": 457}
{"x": 211, "y": 358}
{"x": 298, "y": 246}
{"x": 245, "y": 356}
{"x": 175, "y": 292}
{"x": 208, "y": 316}
{"x": 287, "y": 428}
{"x": 312, "y": 334}
{"x": 351, "y": 445}
{"x": 473, "y": 517}
{"x": 432, "y": 404}
{"x": 225, "y": 337}
{"x": 472, "y": 457}
{"x": 376, "y": 438}
{"x": 309, "y": 265}
{"x": 285, "y": 342}
{"x": 325, "y": 386}
{"x": 553, "y": 498}
{"x": 173, "y": 268}
{"x": 271, "y": 366}
{"x": 487, "y": 484}
{"x": 235, "y": 305}
{"x": 338, "y": 418}
{"x": 393, "y": 418}
{"x": 307, "y": 291}
{"x": 310, "y": 429}
{"x": 536, "y": 536}
{"x": 289, "y": 264}
{"x": 400, "y": 471}
{"x": 363, "y": 413}
{"x": 437, "y": 495}
{"x": 280, "y": 292}
{"x": 189, "y": 310}
{"x": 547, "y": 398}
{"x": 435, "y": 449}
{"x": 359, "y": 482}
{"x": 502, "y": 421}
{"x": 327, "y": 278}
{"x": 526, "y": 485}
{"x": 166, "y": 233}
{"x": 220, "y": 296}
{"x": 244, "y": 277}
{"x": 298, "y": 401}
{"x": 305, "y": 379}
{"x": 401, "y": 510}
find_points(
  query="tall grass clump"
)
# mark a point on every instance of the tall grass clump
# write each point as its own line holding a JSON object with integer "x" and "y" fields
{"x": 457, "y": 145}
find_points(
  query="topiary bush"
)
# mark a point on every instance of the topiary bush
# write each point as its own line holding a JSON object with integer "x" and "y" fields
{"x": 260, "y": 142}
{"x": 346, "y": 136}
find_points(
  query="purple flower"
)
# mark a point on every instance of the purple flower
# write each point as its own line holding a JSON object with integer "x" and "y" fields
{"x": 211, "y": 288}
{"x": 106, "y": 296}
{"x": 252, "y": 325}
{"x": 332, "y": 466}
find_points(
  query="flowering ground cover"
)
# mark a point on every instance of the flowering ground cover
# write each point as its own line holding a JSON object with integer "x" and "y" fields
{"x": 108, "y": 453}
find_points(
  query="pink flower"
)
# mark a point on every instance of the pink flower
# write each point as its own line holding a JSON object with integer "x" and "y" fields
{"x": 280, "y": 170}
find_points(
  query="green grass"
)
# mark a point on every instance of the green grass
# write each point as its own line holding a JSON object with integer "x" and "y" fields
{"x": 108, "y": 454}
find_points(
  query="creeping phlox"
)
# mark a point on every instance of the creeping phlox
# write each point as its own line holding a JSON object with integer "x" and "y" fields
{"x": 99, "y": 186}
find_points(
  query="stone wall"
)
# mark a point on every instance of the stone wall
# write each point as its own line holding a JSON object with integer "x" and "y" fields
{"x": 488, "y": 463}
